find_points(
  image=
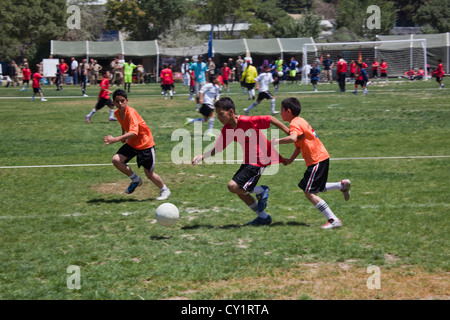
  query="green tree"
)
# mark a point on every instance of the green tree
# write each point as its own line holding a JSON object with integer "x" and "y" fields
{"x": 353, "y": 16}
{"x": 27, "y": 27}
{"x": 295, "y": 6}
{"x": 307, "y": 26}
{"x": 434, "y": 15}
{"x": 143, "y": 19}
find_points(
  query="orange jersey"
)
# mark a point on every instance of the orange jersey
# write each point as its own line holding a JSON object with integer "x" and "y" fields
{"x": 313, "y": 151}
{"x": 133, "y": 122}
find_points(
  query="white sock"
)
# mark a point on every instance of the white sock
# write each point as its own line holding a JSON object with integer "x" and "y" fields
{"x": 111, "y": 113}
{"x": 272, "y": 103}
{"x": 254, "y": 207}
{"x": 92, "y": 112}
{"x": 257, "y": 190}
{"x": 333, "y": 186}
{"x": 211, "y": 124}
{"x": 252, "y": 106}
{"x": 249, "y": 94}
{"x": 134, "y": 177}
{"x": 164, "y": 188}
{"x": 196, "y": 119}
{"x": 323, "y": 207}
{"x": 170, "y": 93}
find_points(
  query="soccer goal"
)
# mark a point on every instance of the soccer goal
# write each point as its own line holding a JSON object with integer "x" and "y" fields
{"x": 400, "y": 55}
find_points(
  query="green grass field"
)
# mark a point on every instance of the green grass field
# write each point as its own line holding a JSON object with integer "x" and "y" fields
{"x": 393, "y": 144}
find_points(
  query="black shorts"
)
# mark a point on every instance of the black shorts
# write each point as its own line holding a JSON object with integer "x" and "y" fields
{"x": 145, "y": 158}
{"x": 314, "y": 81}
{"x": 383, "y": 75}
{"x": 37, "y": 90}
{"x": 265, "y": 95}
{"x": 439, "y": 79}
{"x": 206, "y": 110}
{"x": 249, "y": 86}
{"x": 166, "y": 87}
{"x": 247, "y": 176}
{"x": 25, "y": 81}
{"x": 361, "y": 82}
{"x": 315, "y": 177}
{"x": 374, "y": 73}
{"x": 103, "y": 102}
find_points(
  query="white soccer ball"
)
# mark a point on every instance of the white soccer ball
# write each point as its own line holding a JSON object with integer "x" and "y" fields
{"x": 167, "y": 214}
{"x": 280, "y": 74}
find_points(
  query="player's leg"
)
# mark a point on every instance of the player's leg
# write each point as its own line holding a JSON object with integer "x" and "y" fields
{"x": 120, "y": 160}
{"x": 343, "y": 186}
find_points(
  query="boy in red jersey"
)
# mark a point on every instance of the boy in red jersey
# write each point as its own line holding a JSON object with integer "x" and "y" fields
{"x": 26, "y": 72}
{"x": 316, "y": 159}
{"x": 258, "y": 154}
{"x": 137, "y": 142}
{"x": 226, "y": 76}
{"x": 36, "y": 87}
{"x": 103, "y": 98}
{"x": 439, "y": 74}
{"x": 375, "y": 67}
{"x": 166, "y": 81}
{"x": 383, "y": 70}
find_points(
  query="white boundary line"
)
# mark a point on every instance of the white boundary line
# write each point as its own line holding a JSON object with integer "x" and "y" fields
{"x": 216, "y": 162}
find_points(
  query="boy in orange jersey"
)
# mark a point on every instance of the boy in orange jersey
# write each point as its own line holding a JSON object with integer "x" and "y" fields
{"x": 316, "y": 159}
{"x": 138, "y": 142}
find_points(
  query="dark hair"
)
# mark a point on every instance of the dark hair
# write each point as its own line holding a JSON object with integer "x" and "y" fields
{"x": 121, "y": 93}
{"x": 292, "y": 104}
{"x": 104, "y": 71}
{"x": 212, "y": 77}
{"x": 225, "y": 103}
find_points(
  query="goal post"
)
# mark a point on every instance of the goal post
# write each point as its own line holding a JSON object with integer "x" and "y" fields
{"x": 400, "y": 55}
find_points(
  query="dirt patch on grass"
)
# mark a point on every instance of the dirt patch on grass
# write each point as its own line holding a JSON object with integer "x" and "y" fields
{"x": 340, "y": 281}
{"x": 145, "y": 191}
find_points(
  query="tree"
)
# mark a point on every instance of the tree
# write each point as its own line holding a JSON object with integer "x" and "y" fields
{"x": 295, "y": 6}
{"x": 180, "y": 34}
{"x": 143, "y": 19}
{"x": 26, "y": 28}
{"x": 353, "y": 16}
{"x": 434, "y": 14}
{"x": 307, "y": 26}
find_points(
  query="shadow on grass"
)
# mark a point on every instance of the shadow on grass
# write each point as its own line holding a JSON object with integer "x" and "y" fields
{"x": 237, "y": 226}
{"x": 121, "y": 200}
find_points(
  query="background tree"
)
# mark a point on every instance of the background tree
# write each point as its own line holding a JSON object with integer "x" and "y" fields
{"x": 181, "y": 34}
{"x": 26, "y": 28}
{"x": 143, "y": 19}
{"x": 434, "y": 15}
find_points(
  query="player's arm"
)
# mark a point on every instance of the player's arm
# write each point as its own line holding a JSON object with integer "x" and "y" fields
{"x": 109, "y": 139}
{"x": 280, "y": 125}
{"x": 294, "y": 156}
{"x": 200, "y": 98}
{"x": 201, "y": 157}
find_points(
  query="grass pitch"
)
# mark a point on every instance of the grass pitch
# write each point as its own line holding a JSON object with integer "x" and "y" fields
{"x": 63, "y": 203}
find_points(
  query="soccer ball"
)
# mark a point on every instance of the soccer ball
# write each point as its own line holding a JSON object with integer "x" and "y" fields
{"x": 280, "y": 74}
{"x": 167, "y": 214}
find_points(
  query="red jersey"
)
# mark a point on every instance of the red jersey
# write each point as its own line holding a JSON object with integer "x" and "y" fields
{"x": 63, "y": 67}
{"x": 341, "y": 66}
{"x": 192, "y": 83}
{"x": 36, "y": 78}
{"x": 440, "y": 71}
{"x": 257, "y": 149}
{"x": 26, "y": 73}
{"x": 384, "y": 67}
{"x": 104, "y": 89}
{"x": 226, "y": 73}
{"x": 166, "y": 76}
{"x": 352, "y": 67}
{"x": 375, "y": 65}
{"x": 220, "y": 79}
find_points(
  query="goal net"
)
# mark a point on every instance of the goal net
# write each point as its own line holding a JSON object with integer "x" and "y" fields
{"x": 400, "y": 55}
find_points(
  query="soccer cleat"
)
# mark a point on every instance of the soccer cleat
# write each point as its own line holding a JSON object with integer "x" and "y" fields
{"x": 332, "y": 225}
{"x": 133, "y": 186}
{"x": 260, "y": 221}
{"x": 275, "y": 112}
{"x": 346, "y": 189}
{"x": 355, "y": 92}
{"x": 85, "y": 95}
{"x": 43, "y": 99}
{"x": 262, "y": 198}
{"x": 246, "y": 111}
{"x": 187, "y": 122}
{"x": 164, "y": 194}
{"x": 32, "y": 99}
{"x": 210, "y": 134}
{"x": 88, "y": 119}
{"x": 112, "y": 119}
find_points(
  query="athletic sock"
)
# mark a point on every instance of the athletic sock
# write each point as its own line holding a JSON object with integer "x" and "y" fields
{"x": 252, "y": 106}
{"x": 134, "y": 177}
{"x": 333, "y": 186}
{"x": 257, "y": 190}
{"x": 272, "y": 104}
{"x": 323, "y": 207}
{"x": 254, "y": 207}
{"x": 111, "y": 113}
{"x": 92, "y": 112}
{"x": 211, "y": 124}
